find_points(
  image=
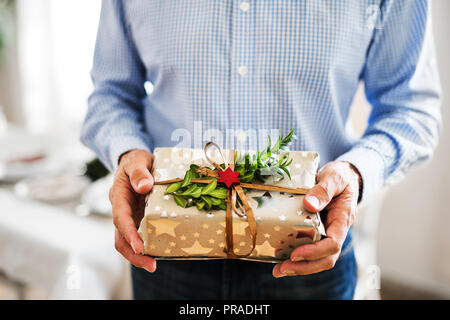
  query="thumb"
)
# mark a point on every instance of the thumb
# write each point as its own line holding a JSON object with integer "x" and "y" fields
{"x": 323, "y": 192}
{"x": 138, "y": 170}
{"x": 141, "y": 179}
{"x": 316, "y": 199}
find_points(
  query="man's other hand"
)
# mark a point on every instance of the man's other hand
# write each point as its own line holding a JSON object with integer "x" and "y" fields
{"x": 131, "y": 182}
{"x": 337, "y": 191}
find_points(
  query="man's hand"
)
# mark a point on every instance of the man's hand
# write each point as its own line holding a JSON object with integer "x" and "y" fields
{"x": 132, "y": 181}
{"x": 336, "y": 191}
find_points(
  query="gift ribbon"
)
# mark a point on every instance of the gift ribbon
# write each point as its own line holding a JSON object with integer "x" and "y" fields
{"x": 247, "y": 210}
{"x": 235, "y": 188}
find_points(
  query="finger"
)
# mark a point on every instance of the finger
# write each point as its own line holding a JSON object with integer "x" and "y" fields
{"x": 307, "y": 267}
{"x": 137, "y": 168}
{"x": 321, "y": 249}
{"x": 329, "y": 184}
{"x": 137, "y": 260}
{"x": 276, "y": 271}
{"x": 122, "y": 217}
{"x": 338, "y": 223}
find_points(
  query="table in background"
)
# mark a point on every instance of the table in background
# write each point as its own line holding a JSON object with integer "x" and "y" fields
{"x": 68, "y": 256}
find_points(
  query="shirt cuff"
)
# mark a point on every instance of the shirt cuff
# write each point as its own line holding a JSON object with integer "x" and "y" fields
{"x": 120, "y": 145}
{"x": 371, "y": 167}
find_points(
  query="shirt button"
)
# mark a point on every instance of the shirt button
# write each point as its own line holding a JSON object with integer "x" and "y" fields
{"x": 242, "y": 70}
{"x": 244, "y": 6}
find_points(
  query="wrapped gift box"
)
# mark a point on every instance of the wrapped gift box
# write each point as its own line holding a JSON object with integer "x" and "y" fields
{"x": 172, "y": 232}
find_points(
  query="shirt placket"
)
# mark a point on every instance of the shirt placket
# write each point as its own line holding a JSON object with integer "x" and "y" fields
{"x": 241, "y": 66}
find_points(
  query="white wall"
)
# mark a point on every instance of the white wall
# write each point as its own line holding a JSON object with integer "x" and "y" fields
{"x": 55, "y": 48}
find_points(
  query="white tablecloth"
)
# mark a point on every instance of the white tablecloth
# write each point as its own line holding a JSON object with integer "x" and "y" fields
{"x": 70, "y": 257}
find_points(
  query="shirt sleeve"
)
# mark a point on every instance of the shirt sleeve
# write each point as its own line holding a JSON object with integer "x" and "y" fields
{"x": 402, "y": 85}
{"x": 114, "y": 121}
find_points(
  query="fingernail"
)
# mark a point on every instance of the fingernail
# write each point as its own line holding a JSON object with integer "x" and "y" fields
{"x": 144, "y": 182}
{"x": 286, "y": 272}
{"x": 147, "y": 269}
{"x": 281, "y": 275}
{"x": 296, "y": 259}
{"x": 133, "y": 247}
{"x": 313, "y": 201}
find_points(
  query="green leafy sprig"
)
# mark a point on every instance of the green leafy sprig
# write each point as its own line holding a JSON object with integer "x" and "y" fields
{"x": 258, "y": 167}
{"x": 265, "y": 163}
{"x": 209, "y": 196}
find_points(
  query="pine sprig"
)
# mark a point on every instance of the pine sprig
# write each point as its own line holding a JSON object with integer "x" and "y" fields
{"x": 259, "y": 167}
{"x": 266, "y": 163}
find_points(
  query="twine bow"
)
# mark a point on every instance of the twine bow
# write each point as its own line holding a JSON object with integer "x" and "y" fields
{"x": 234, "y": 187}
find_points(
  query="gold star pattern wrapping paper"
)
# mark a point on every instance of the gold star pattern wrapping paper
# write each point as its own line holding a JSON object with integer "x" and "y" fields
{"x": 173, "y": 232}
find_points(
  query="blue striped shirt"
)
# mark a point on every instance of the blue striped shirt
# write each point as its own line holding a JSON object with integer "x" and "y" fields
{"x": 227, "y": 70}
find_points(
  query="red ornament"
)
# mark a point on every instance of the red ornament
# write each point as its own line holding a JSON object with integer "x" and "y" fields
{"x": 228, "y": 177}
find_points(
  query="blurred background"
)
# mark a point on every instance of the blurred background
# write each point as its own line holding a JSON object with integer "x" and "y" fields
{"x": 56, "y": 233}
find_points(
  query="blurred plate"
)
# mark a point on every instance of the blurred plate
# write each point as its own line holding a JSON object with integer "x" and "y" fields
{"x": 26, "y": 166}
{"x": 23, "y": 155}
{"x": 52, "y": 189}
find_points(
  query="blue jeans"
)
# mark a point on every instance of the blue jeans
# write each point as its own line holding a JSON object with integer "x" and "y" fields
{"x": 239, "y": 279}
